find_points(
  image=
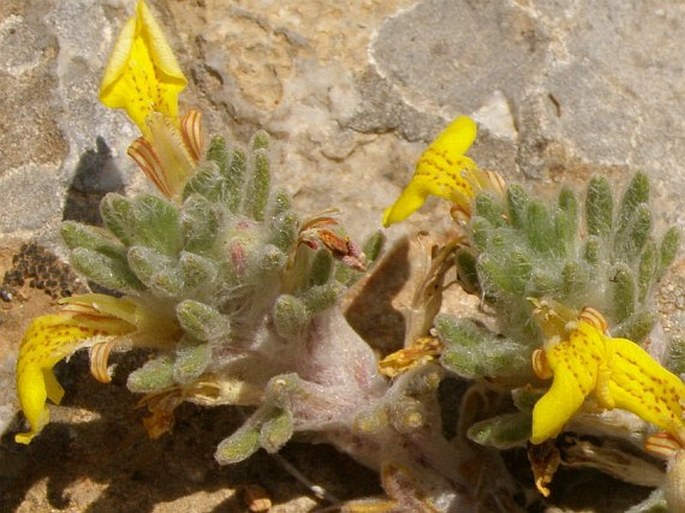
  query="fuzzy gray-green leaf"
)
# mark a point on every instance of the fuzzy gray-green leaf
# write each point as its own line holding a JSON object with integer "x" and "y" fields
{"x": 199, "y": 223}
{"x": 146, "y": 262}
{"x": 668, "y": 250}
{"x": 290, "y": 316}
{"x": 258, "y": 185}
{"x": 192, "y": 358}
{"x": 635, "y": 194}
{"x": 647, "y": 270}
{"x": 238, "y": 447}
{"x": 153, "y": 376}
{"x": 517, "y": 205}
{"x": 110, "y": 271}
{"x": 624, "y": 293}
{"x": 599, "y": 206}
{"x": 502, "y": 432}
{"x": 276, "y": 430}
{"x": 202, "y": 321}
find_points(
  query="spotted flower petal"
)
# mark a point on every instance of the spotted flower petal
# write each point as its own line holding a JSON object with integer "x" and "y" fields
{"x": 443, "y": 171}
{"x": 49, "y": 339}
{"x": 619, "y": 374}
{"x": 142, "y": 75}
{"x": 96, "y": 321}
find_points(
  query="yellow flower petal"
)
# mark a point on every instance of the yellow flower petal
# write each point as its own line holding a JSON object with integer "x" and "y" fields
{"x": 142, "y": 75}
{"x": 575, "y": 364}
{"x": 640, "y": 385}
{"x": 618, "y": 372}
{"x": 48, "y": 339}
{"x": 442, "y": 170}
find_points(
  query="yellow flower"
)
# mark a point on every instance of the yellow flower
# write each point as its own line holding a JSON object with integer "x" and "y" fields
{"x": 91, "y": 320}
{"x": 618, "y": 372}
{"x": 444, "y": 171}
{"x": 142, "y": 75}
{"x": 144, "y": 78}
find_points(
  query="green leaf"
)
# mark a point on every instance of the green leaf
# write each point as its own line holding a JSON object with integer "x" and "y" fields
{"x": 155, "y": 375}
{"x": 373, "y": 246}
{"x": 146, "y": 262}
{"x": 517, "y": 205}
{"x": 238, "y": 447}
{"x": 490, "y": 208}
{"x": 467, "y": 272}
{"x": 199, "y": 223}
{"x": 276, "y": 430}
{"x": 207, "y": 182}
{"x": 541, "y": 233}
{"x": 202, "y": 321}
{"x": 157, "y": 224}
{"x": 167, "y": 283}
{"x": 668, "y": 250}
{"x": 635, "y": 194}
{"x": 599, "y": 206}
{"x": 197, "y": 271}
{"x": 624, "y": 293}
{"x": 634, "y": 234}
{"x": 482, "y": 232}
{"x": 575, "y": 278}
{"x": 117, "y": 213}
{"x": 592, "y": 250}
{"x": 290, "y": 316}
{"x": 473, "y": 352}
{"x": 192, "y": 358}
{"x": 258, "y": 182}
{"x": 647, "y": 270}
{"x": 321, "y": 297}
{"x": 637, "y": 326}
{"x": 502, "y": 432}
{"x": 322, "y": 265}
{"x": 77, "y": 235}
{"x": 110, "y": 271}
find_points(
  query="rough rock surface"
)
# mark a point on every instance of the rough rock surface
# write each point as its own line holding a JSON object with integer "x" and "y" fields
{"x": 350, "y": 95}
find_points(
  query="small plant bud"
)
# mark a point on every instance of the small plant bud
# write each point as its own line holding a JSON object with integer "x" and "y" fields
{"x": 407, "y": 415}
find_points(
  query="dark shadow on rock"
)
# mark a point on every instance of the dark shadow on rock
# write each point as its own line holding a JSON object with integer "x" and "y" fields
{"x": 113, "y": 449}
{"x": 96, "y": 175}
{"x": 371, "y": 313}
